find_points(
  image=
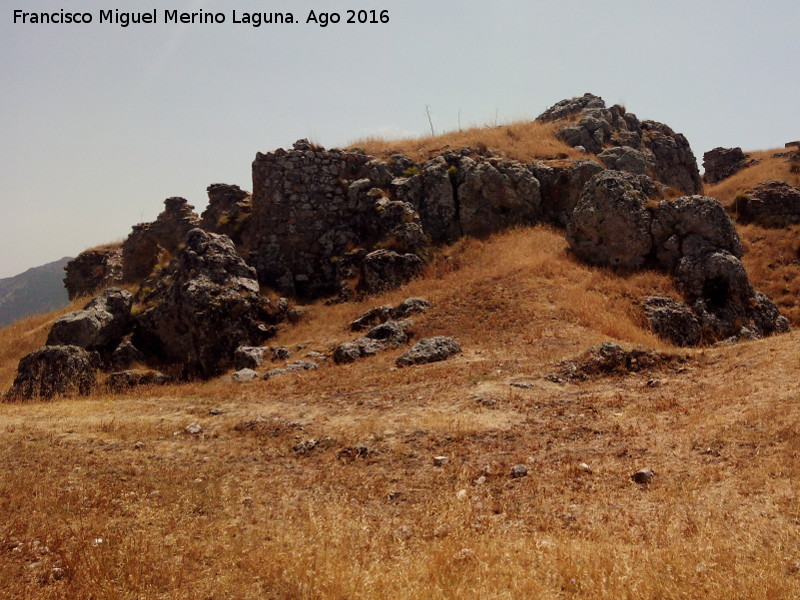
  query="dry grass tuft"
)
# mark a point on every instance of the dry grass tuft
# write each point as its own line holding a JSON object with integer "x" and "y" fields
{"x": 524, "y": 141}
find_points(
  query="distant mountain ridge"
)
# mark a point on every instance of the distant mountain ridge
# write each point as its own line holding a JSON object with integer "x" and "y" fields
{"x": 37, "y": 290}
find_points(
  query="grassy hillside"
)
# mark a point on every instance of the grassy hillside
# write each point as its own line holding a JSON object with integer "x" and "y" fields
{"x": 37, "y": 290}
{"x": 109, "y": 497}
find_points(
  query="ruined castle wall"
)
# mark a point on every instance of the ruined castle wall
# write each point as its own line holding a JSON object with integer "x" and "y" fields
{"x": 303, "y": 218}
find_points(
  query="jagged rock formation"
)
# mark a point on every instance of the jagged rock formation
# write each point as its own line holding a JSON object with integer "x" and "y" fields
{"x": 624, "y": 143}
{"x": 721, "y": 163}
{"x": 202, "y": 307}
{"x": 148, "y": 241}
{"x": 93, "y": 270}
{"x": 770, "y": 204}
{"x": 228, "y": 211}
{"x": 340, "y": 223}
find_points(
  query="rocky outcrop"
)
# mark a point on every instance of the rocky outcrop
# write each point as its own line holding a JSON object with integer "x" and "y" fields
{"x": 770, "y": 204}
{"x": 100, "y": 325}
{"x": 721, "y": 163}
{"x": 619, "y": 223}
{"x": 161, "y": 239}
{"x": 54, "y": 371}
{"x": 228, "y": 211}
{"x": 643, "y": 147}
{"x": 93, "y": 270}
{"x": 202, "y": 307}
{"x": 494, "y": 194}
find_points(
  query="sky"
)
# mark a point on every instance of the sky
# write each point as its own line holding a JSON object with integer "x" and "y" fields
{"x": 100, "y": 123}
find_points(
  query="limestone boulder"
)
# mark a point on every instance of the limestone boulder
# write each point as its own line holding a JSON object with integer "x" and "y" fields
{"x": 692, "y": 225}
{"x": 100, "y": 325}
{"x": 494, "y": 194}
{"x": 716, "y": 286}
{"x": 623, "y": 158}
{"x": 55, "y": 371}
{"x": 610, "y": 225}
{"x": 561, "y": 186}
{"x": 202, "y": 307}
{"x": 433, "y": 349}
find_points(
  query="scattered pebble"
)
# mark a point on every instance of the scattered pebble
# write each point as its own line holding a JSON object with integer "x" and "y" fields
{"x": 521, "y": 384}
{"x": 584, "y": 468}
{"x": 138, "y": 445}
{"x": 194, "y": 429}
{"x": 215, "y": 411}
{"x": 519, "y": 471}
{"x": 440, "y": 461}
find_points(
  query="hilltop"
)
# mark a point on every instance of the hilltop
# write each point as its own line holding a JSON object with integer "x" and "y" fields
{"x": 504, "y": 470}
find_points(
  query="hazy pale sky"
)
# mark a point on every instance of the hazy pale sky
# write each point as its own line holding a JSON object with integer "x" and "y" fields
{"x": 100, "y": 123}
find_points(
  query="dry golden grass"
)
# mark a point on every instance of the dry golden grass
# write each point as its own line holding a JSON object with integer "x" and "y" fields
{"x": 107, "y": 496}
{"x": 523, "y": 141}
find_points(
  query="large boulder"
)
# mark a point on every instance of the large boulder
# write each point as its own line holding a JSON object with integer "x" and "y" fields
{"x": 202, "y": 307}
{"x": 662, "y": 153}
{"x": 716, "y": 286}
{"x": 610, "y": 225}
{"x": 561, "y": 185}
{"x": 100, "y": 325}
{"x": 770, "y": 204}
{"x": 433, "y": 349}
{"x": 54, "y": 371}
